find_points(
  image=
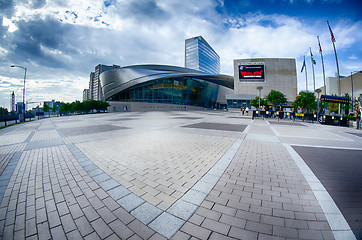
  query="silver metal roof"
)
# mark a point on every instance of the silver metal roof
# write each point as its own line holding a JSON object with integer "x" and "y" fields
{"x": 117, "y": 80}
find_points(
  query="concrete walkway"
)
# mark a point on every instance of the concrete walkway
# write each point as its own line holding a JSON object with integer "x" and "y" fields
{"x": 178, "y": 175}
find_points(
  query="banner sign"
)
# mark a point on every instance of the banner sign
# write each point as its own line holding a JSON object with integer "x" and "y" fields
{"x": 251, "y": 73}
{"x": 334, "y": 99}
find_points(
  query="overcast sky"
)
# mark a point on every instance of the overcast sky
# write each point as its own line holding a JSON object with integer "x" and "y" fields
{"x": 61, "y": 41}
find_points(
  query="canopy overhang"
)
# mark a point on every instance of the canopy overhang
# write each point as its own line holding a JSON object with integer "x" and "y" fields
{"x": 334, "y": 99}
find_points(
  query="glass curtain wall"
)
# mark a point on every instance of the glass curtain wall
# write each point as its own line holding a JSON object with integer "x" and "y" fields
{"x": 185, "y": 91}
{"x": 199, "y": 55}
{"x": 209, "y": 61}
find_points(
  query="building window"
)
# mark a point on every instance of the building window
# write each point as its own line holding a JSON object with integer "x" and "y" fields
{"x": 185, "y": 91}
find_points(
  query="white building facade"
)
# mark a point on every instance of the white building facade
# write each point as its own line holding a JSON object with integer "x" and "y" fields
{"x": 269, "y": 73}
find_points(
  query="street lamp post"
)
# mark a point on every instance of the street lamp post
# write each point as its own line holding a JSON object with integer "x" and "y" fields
{"x": 25, "y": 69}
{"x": 259, "y": 88}
{"x": 318, "y": 91}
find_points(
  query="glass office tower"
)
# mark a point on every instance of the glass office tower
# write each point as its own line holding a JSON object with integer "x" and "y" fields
{"x": 199, "y": 55}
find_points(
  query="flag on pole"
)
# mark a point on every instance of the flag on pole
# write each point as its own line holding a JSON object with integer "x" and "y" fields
{"x": 311, "y": 55}
{"x": 320, "y": 47}
{"x": 303, "y": 65}
{"x": 332, "y": 36}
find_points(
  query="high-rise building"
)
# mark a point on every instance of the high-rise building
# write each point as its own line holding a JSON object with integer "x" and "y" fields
{"x": 95, "y": 88}
{"x": 86, "y": 95}
{"x": 199, "y": 55}
{"x": 12, "y": 102}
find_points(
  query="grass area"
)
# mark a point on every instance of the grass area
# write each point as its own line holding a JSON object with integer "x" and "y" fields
{"x": 12, "y": 124}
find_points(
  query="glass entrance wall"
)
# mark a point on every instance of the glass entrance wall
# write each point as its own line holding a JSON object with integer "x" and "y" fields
{"x": 237, "y": 103}
{"x": 185, "y": 91}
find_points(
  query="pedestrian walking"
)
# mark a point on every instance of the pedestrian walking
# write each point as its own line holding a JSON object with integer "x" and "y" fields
{"x": 247, "y": 111}
{"x": 358, "y": 116}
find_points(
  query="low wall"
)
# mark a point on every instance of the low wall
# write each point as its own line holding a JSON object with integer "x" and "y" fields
{"x": 144, "y": 107}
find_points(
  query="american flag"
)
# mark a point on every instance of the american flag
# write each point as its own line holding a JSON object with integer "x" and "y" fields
{"x": 332, "y": 36}
{"x": 319, "y": 44}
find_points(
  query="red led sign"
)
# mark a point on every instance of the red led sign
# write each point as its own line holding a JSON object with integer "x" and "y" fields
{"x": 251, "y": 72}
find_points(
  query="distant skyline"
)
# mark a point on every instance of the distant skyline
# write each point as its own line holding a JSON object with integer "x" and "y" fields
{"x": 61, "y": 41}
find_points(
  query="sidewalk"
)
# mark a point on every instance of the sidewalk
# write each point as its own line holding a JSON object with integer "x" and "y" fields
{"x": 175, "y": 175}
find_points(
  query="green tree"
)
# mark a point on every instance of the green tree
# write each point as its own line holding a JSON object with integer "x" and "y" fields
{"x": 46, "y": 108}
{"x": 255, "y": 102}
{"x": 78, "y": 106}
{"x": 305, "y": 100}
{"x": 93, "y": 104}
{"x": 90, "y": 105}
{"x": 85, "y": 106}
{"x": 276, "y": 98}
{"x": 359, "y": 100}
{"x": 347, "y": 106}
{"x": 102, "y": 105}
{"x": 66, "y": 108}
{"x": 3, "y": 111}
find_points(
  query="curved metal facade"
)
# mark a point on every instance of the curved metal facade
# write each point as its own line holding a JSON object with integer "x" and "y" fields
{"x": 164, "y": 84}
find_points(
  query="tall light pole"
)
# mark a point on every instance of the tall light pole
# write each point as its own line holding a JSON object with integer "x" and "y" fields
{"x": 318, "y": 91}
{"x": 259, "y": 88}
{"x": 352, "y": 85}
{"x": 25, "y": 69}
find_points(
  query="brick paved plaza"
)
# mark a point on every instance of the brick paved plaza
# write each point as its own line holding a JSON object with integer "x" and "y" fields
{"x": 179, "y": 175}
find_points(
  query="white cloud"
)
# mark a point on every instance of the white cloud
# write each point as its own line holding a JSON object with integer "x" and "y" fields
{"x": 11, "y": 26}
{"x": 287, "y": 39}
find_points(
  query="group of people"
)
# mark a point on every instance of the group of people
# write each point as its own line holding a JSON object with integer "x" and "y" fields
{"x": 357, "y": 114}
{"x": 243, "y": 110}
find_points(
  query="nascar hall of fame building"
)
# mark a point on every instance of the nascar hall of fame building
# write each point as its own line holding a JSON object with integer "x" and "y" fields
{"x": 162, "y": 87}
{"x": 199, "y": 84}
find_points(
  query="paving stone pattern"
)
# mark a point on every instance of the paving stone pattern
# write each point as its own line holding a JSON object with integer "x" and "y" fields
{"x": 88, "y": 130}
{"x": 150, "y": 177}
{"x": 45, "y": 135}
{"x": 287, "y": 123}
{"x": 158, "y": 166}
{"x": 261, "y": 194}
{"x": 51, "y": 196}
{"x": 218, "y": 126}
{"x": 340, "y": 172}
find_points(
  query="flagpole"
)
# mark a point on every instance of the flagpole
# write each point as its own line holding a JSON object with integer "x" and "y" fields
{"x": 306, "y": 78}
{"x": 335, "y": 54}
{"x": 304, "y": 66}
{"x": 312, "y": 60}
{"x": 339, "y": 78}
{"x": 324, "y": 75}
